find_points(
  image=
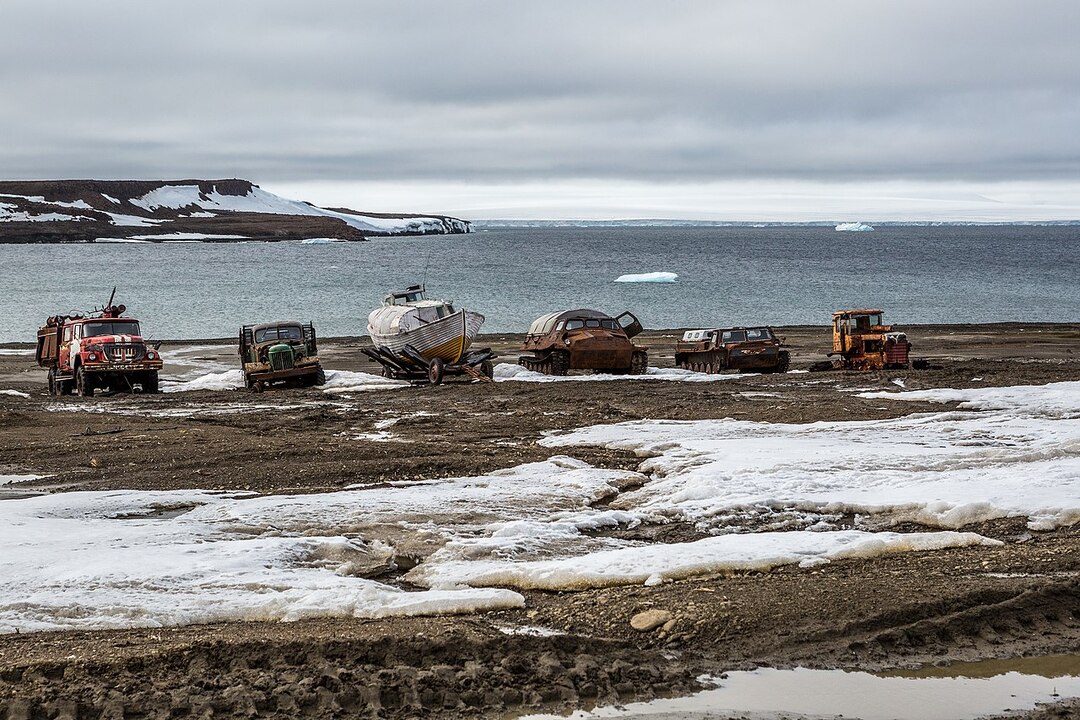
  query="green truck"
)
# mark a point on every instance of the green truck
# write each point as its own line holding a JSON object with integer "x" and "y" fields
{"x": 280, "y": 353}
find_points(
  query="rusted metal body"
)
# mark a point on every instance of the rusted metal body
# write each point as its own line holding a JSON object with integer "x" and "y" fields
{"x": 747, "y": 349}
{"x": 862, "y": 341}
{"x": 282, "y": 352}
{"x": 101, "y": 351}
{"x": 584, "y": 340}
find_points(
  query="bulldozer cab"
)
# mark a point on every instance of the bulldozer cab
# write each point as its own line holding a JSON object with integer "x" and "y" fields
{"x": 629, "y": 323}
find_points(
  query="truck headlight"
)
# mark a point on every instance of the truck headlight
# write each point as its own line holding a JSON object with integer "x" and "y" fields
{"x": 92, "y": 357}
{"x": 151, "y": 355}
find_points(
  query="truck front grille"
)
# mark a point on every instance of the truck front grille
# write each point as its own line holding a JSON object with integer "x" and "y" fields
{"x": 125, "y": 352}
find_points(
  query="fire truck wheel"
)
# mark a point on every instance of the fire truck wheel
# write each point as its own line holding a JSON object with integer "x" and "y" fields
{"x": 83, "y": 385}
{"x": 53, "y": 390}
{"x": 150, "y": 384}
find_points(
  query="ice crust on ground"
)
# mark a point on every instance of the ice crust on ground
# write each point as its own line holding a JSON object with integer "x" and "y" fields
{"x": 506, "y": 372}
{"x": 337, "y": 381}
{"x": 8, "y": 479}
{"x": 1017, "y": 455}
{"x": 854, "y": 227}
{"x": 657, "y": 563}
{"x": 85, "y": 560}
{"x": 15, "y": 393}
{"x": 652, "y": 277}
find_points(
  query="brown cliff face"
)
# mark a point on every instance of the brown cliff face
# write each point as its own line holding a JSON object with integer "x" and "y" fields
{"x": 108, "y": 209}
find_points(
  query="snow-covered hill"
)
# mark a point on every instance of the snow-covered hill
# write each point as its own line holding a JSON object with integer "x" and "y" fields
{"x": 209, "y": 210}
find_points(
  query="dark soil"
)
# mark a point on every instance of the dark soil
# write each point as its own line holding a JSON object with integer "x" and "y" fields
{"x": 894, "y": 611}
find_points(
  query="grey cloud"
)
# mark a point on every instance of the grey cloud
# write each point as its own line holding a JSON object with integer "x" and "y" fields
{"x": 284, "y": 91}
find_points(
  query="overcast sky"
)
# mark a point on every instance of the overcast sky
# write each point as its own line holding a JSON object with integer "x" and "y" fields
{"x": 436, "y": 101}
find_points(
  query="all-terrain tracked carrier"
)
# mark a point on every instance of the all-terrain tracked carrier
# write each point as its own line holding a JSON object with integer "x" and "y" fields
{"x": 584, "y": 340}
{"x": 100, "y": 351}
{"x": 747, "y": 349}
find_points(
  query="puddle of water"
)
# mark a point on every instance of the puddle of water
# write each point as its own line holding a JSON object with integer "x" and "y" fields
{"x": 957, "y": 692}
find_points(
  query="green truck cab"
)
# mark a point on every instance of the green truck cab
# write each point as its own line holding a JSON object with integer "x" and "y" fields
{"x": 282, "y": 352}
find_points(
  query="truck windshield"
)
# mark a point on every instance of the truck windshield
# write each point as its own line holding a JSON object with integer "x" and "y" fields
{"x": 733, "y": 336}
{"x": 283, "y": 332}
{"x": 111, "y": 327}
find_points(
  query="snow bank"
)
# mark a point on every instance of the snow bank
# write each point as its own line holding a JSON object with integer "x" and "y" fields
{"x": 505, "y": 372}
{"x": 345, "y": 381}
{"x": 227, "y": 380}
{"x": 16, "y": 351}
{"x": 116, "y": 559}
{"x": 8, "y": 479}
{"x": 653, "y": 277}
{"x": 854, "y": 227}
{"x": 947, "y": 469}
{"x": 16, "y": 393}
{"x": 655, "y": 563}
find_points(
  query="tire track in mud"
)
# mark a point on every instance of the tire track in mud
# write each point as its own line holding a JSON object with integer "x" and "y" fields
{"x": 453, "y": 674}
{"x": 1040, "y": 620}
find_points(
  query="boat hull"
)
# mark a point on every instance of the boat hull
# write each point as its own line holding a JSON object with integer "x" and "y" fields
{"x": 446, "y": 338}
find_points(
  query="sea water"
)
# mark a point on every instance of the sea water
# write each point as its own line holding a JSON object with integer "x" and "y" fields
{"x": 726, "y": 275}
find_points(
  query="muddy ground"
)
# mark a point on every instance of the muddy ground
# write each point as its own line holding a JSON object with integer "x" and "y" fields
{"x": 894, "y": 611}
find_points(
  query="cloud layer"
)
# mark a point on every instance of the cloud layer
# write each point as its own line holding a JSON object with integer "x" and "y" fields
{"x": 492, "y": 92}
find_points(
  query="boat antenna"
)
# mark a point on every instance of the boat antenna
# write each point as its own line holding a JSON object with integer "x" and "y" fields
{"x": 427, "y": 262}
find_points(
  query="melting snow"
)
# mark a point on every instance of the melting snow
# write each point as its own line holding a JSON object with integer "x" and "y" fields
{"x": 16, "y": 393}
{"x": 1018, "y": 457}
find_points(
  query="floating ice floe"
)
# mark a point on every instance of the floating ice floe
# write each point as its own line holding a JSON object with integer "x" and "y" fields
{"x": 1018, "y": 457}
{"x": 321, "y": 241}
{"x": 652, "y": 277}
{"x": 854, "y": 227}
{"x": 505, "y": 372}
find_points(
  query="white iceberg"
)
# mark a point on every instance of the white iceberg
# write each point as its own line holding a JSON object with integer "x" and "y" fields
{"x": 854, "y": 227}
{"x": 652, "y": 277}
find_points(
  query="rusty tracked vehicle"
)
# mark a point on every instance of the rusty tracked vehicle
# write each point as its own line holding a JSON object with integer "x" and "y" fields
{"x": 100, "y": 351}
{"x": 280, "y": 352}
{"x": 747, "y": 349}
{"x": 584, "y": 340}
{"x": 862, "y": 341}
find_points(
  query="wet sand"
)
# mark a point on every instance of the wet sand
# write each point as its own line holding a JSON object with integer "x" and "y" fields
{"x": 893, "y": 611}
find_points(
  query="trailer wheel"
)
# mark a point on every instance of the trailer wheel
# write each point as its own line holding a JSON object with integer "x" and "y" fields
{"x": 488, "y": 369}
{"x": 150, "y": 384}
{"x": 436, "y": 370}
{"x": 83, "y": 385}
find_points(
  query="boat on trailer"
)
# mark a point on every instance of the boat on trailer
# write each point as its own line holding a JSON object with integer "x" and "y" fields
{"x": 416, "y": 337}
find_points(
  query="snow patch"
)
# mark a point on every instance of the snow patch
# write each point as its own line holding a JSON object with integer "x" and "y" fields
{"x": 653, "y": 564}
{"x": 188, "y": 236}
{"x": 345, "y": 381}
{"x": 8, "y": 479}
{"x": 15, "y": 393}
{"x": 228, "y": 380}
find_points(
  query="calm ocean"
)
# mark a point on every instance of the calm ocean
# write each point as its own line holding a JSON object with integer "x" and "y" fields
{"x": 727, "y": 275}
